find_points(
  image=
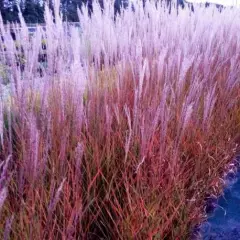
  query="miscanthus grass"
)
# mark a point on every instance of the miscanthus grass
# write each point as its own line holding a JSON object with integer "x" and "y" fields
{"x": 118, "y": 129}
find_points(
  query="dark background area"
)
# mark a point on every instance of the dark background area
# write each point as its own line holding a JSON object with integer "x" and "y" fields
{"x": 33, "y": 10}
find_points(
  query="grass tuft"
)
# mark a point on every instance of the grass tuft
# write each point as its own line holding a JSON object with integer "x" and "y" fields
{"x": 125, "y": 129}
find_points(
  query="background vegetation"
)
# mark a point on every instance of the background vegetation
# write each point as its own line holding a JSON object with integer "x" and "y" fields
{"x": 33, "y": 10}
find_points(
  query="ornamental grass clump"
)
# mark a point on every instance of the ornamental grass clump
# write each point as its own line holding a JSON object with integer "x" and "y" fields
{"x": 125, "y": 129}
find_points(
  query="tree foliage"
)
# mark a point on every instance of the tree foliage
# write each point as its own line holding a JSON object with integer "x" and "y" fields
{"x": 33, "y": 10}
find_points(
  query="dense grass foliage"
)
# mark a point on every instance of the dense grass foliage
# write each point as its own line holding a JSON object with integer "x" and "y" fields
{"x": 124, "y": 129}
